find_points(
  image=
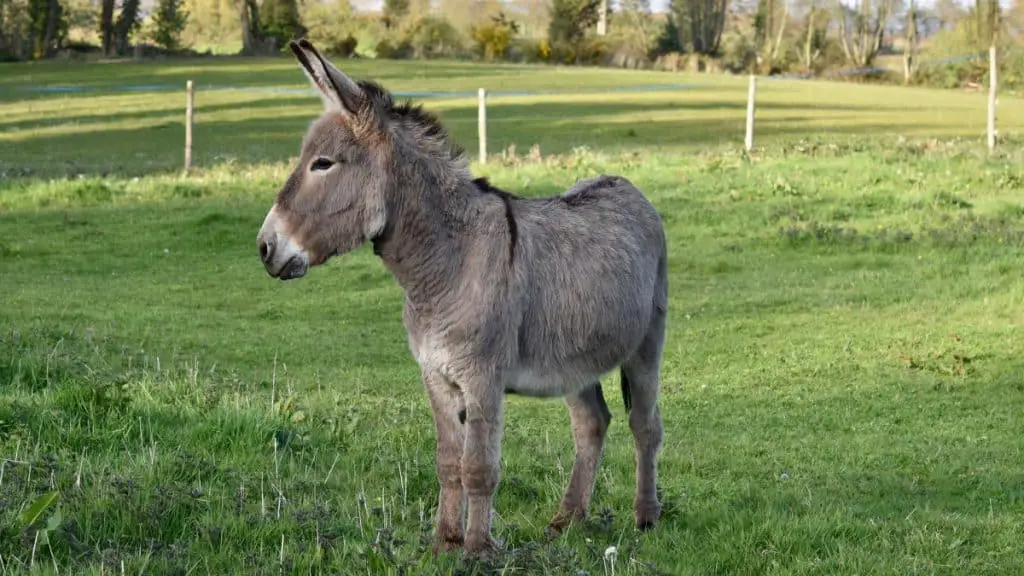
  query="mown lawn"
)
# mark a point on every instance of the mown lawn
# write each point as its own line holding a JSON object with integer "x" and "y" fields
{"x": 843, "y": 380}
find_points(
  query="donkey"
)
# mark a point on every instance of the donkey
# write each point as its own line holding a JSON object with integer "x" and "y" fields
{"x": 503, "y": 294}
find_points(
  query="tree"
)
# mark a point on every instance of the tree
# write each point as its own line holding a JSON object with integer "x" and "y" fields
{"x": 634, "y": 34}
{"x": 673, "y": 38}
{"x": 910, "y": 48}
{"x": 127, "y": 23}
{"x": 394, "y": 11}
{"x": 48, "y": 26}
{"x": 15, "y": 29}
{"x": 707, "y": 22}
{"x": 211, "y": 22}
{"x": 987, "y": 20}
{"x": 769, "y": 26}
{"x": 168, "y": 22}
{"x": 635, "y": 16}
{"x": 570, "y": 20}
{"x": 107, "y": 27}
{"x": 279, "y": 20}
{"x": 815, "y": 34}
{"x": 493, "y": 39}
{"x": 1015, "y": 18}
{"x": 861, "y": 29}
{"x": 330, "y": 24}
{"x": 948, "y": 13}
{"x": 253, "y": 40}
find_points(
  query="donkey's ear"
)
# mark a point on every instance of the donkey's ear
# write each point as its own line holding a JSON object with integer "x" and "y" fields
{"x": 338, "y": 91}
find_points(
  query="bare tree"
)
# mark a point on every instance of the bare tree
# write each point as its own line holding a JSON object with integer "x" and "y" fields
{"x": 910, "y": 49}
{"x": 861, "y": 29}
{"x": 707, "y": 21}
{"x": 987, "y": 15}
{"x": 254, "y": 41}
{"x": 769, "y": 26}
{"x": 948, "y": 13}
{"x": 815, "y": 35}
{"x": 107, "y": 27}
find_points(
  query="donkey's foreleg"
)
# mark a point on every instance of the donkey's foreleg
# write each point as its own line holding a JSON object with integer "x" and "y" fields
{"x": 480, "y": 461}
{"x": 446, "y": 405}
{"x": 590, "y": 419}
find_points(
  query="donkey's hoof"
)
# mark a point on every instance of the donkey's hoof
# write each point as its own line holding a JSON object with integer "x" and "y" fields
{"x": 485, "y": 546}
{"x": 442, "y": 544}
{"x": 562, "y": 520}
{"x": 647, "y": 517}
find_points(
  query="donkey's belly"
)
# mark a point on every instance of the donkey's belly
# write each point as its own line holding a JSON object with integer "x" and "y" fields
{"x": 553, "y": 383}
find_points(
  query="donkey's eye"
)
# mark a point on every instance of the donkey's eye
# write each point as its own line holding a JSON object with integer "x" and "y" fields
{"x": 321, "y": 164}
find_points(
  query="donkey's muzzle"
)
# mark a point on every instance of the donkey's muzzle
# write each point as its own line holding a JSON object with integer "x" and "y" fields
{"x": 279, "y": 253}
{"x": 294, "y": 267}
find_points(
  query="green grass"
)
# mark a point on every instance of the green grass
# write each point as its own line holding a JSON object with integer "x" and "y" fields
{"x": 843, "y": 380}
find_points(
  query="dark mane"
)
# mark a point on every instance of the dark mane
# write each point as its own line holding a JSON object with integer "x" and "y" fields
{"x": 412, "y": 116}
{"x": 485, "y": 186}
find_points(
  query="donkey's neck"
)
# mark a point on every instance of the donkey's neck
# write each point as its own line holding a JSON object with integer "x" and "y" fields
{"x": 426, "y": 240}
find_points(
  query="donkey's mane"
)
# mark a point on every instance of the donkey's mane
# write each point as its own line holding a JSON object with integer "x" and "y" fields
{"x": 424, "y": 126}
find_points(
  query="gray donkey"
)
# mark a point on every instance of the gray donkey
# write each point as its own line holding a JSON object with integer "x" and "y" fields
{"x": 503, "y": 294}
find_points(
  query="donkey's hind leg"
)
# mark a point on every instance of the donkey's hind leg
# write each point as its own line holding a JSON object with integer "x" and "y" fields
{"x": 640, "y": 387}
{"x": 590, "y": 418}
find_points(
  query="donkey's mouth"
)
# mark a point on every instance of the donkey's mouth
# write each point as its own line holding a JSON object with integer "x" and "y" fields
{"x": 293, "y": 268}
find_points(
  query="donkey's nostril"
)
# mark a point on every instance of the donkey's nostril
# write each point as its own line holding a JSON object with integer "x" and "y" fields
{"x": 265, "y": 252}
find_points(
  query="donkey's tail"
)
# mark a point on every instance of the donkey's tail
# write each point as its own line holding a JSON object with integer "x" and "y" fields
{"x": 653, "y": 341}
{"x": 627, "y": 398}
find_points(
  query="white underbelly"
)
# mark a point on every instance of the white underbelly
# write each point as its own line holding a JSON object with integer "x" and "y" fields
{"x": 530, "y": 382}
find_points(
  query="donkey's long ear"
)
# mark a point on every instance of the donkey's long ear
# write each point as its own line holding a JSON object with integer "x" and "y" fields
{"x": 338, "y": 91}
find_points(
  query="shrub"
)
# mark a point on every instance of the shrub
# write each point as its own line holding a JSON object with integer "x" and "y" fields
{"x": 432, "y": 37}
{"x": 738, "y": 52}
{"x": 493, "y": 39}
{"x": 330, "y": 24}
{"x": 393, "y": 51}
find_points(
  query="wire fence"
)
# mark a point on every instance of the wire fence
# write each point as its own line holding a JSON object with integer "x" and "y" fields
{"x": 483, "y": 94}
{"x": 856, "y": 71}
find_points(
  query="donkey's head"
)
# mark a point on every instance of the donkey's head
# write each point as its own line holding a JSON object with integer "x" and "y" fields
{"x": 354, "y": 157}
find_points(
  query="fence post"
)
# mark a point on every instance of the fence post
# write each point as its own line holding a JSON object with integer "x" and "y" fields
{"x": 189, "y": 104}
{"x": 992, "y": 87}
{"x": 751, "y": 96}
{"x": 482, "y": 125}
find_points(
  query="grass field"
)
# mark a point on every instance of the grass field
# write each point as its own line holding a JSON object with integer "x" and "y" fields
{"x": 843, "y": 380}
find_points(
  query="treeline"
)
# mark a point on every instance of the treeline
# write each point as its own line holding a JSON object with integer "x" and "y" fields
{"x": 810, "y": 37}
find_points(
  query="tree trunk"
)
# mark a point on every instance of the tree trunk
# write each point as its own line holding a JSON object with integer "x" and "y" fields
{"x": 52, "y": 22}
{"x": 107, "y": 27}
{"x": 246, "y": 21}
{"x": 861, "y": 45}
{"x": 254, "y": 42}
{"x": 707, "y": 19}
{"x": 910, "y": 49}
{"x": 810, "y": 54}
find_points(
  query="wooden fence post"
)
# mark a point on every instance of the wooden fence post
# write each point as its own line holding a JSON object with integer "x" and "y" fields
{"x": 189, "y": 105}
{"x": 992, "y": 88}
{"x": 482, "y": 125}
{"x": 751, "y": 96}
